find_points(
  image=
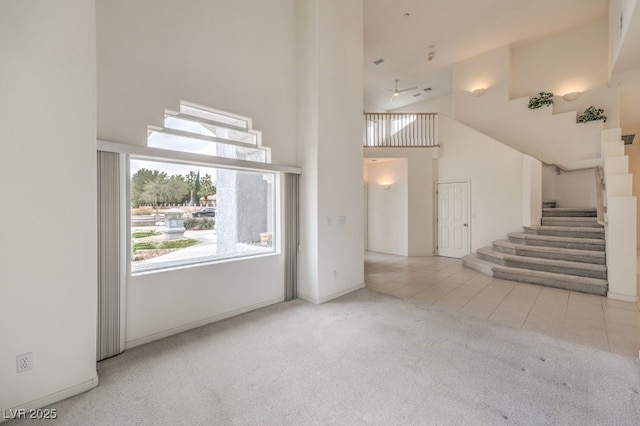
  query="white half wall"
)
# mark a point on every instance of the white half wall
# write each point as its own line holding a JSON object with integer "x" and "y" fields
{"x": 388, "y": 206}
{"x": 164, "y": 303}
{"x": 48, "y": 168}
{"x": 495, "y": 172}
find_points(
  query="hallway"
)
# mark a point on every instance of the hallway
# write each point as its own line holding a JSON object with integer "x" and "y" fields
{"x": 443, "y": 283}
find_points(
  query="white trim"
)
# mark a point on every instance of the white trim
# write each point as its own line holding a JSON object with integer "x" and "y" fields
{"x": 205, "y": 138}
{"x": 188, "y": 157}
{"x": 319, "y": 301}
{"x": 186, "y": 327}
{"x": 55, "y": 397}
{"x": 625, "y": 297}
{"x": 385, "y": 251}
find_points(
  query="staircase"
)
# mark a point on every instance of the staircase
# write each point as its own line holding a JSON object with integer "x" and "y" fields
{"x": 566, "y": 251}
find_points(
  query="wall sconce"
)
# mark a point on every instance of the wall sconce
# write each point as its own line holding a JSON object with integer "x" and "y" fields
{"x": 385, "y": 186}
{"x": 571, "y": 96}
{"x": 479, "y": 92}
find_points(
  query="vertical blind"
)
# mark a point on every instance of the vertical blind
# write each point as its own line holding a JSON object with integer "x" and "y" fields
{"x": 109, "y": 267}
{"x": 292, "y": 231}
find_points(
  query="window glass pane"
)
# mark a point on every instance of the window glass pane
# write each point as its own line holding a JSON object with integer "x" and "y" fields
{"x": 183, "y": 215}
{"x": 212, "y": 116}
{"x": 162, "y": 140}
{"x": 210, "y": 130}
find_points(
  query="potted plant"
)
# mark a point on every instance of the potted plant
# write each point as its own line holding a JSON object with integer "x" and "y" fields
{"x": 542, "y": 99}
{"x": 592, "y": 114}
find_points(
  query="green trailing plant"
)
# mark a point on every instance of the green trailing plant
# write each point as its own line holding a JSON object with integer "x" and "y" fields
{"x": 542, "y": 99}
{"x": 592, "y": 114}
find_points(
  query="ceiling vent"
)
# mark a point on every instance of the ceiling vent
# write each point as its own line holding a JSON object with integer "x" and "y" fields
{"x": 628, "y": 139}
{"x": 379, "y": 61}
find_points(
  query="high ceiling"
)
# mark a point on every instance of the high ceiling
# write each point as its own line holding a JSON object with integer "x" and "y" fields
{"x": 402, "y": 32}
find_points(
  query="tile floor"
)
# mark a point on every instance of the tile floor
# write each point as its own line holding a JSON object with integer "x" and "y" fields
{"x": 595, "y": 321}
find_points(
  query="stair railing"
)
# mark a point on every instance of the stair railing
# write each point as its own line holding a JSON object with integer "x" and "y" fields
{"x": 400, "y": 130}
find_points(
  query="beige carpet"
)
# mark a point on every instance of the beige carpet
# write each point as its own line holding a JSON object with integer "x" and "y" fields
{"x": 366, "y": 358}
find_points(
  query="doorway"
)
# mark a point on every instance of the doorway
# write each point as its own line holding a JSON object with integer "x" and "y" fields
{"x": 453, "y": 219}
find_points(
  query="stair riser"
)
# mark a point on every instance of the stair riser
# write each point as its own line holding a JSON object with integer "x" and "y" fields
{"x": 546, "y": 268}
{"x": 580, "y": 224}
{"x": 596, "y": 260}
{"x": 569, "y": 234}
{"x": 545, "y": 243}
{"x": 476, "y": 267}
{"x": 552, "y": 213}
{"x": 585, "y": 288}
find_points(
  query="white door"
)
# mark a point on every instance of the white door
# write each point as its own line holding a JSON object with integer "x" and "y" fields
{"x": 453, "y": 219}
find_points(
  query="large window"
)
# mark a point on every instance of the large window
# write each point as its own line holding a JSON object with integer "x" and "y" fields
{"x": 183, "y": 213}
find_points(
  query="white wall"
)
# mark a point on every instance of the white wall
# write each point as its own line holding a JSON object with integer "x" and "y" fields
{"x": 570, "y": 61}
{"x": 633, "y": 152}
{"x": 165, "y": 303}
{"x": 151, "y": 55}
{"x": 628, "y": 11}
{"x": 543, "y": 133}
{"x": 570, "y": 189}
{"x": 531, "y": 191}
{"x": 234, "y": 56}
{"x": 628, "y": 84}
{"x": 48, "y": 172}
{"x": 388, "y": 219}
{"x": 495, "y": 172}
{"x": 330, "y": 106}
{"x": 439, "y": 105}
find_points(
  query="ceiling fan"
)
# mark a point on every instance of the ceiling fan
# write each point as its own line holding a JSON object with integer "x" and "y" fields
{"x": 397, "y": 92}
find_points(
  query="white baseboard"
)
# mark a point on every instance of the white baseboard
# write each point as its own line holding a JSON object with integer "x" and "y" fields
{"x": 170, "y": 332}
{"x": 321, "y": 300}
{"x": 54, "y": 397}
{"x": 386, "y": 251}
{"x": 624, "y": 297}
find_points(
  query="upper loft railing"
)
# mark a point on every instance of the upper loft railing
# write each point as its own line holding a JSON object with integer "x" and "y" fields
{"x": 400, "y": 130}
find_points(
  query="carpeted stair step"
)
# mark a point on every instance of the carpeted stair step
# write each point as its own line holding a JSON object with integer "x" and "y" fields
{"x": 550, "y": 279}
{"x": 572, "y": 255}
{"x": 569, "y": 211}
{"x": 582, "y": 222}
{"x": 553, "y": 241}
{"x": 580, "y": 269}
{"x": 566, "y": 231}
{"x": 472, "y": 261}
{"x": 548, "y": 204}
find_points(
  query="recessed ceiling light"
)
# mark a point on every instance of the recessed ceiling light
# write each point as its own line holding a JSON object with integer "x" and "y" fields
{"x": 378, "y": 61}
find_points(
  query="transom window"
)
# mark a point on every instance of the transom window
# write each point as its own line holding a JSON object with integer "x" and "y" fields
{"x": 185, "y": 213}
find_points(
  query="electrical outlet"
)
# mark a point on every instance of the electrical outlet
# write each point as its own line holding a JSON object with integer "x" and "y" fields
{"x": 24, "y": 362}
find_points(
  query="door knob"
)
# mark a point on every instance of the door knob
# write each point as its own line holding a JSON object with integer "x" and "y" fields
{"x": 464, "y": 224}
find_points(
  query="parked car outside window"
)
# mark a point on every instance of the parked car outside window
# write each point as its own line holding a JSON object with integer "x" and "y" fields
{"x": 207, "y": 211}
